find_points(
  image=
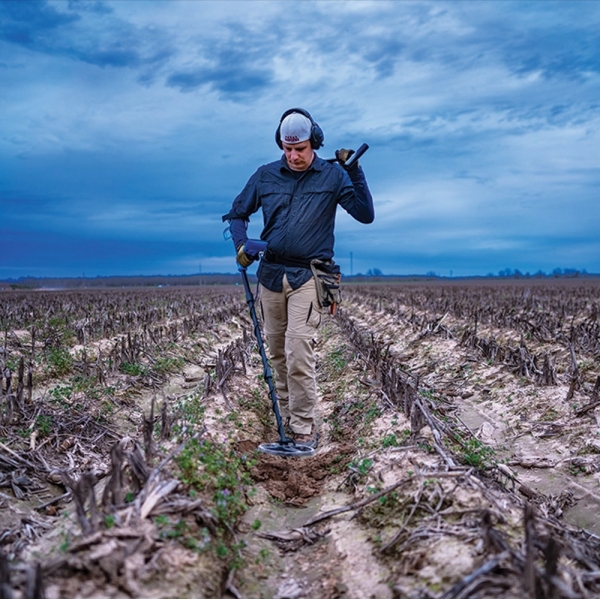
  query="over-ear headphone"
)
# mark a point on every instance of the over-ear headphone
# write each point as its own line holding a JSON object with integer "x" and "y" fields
{"x": 316, "y": 133}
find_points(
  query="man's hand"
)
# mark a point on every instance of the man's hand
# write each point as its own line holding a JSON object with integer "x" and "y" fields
{"x": 342, "y": 155}
{"x": 243, "y": 259}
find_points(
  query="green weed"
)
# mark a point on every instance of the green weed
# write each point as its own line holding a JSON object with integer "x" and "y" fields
{"x": 167, "y": 364}
{"x": 426, "y": 447}
{"x": 390, "y": 441}
{"x": 43, "y": 424}
{"x": 65, "y": 544}
{"x": 61, "y": 394}
{"x": 135, "y": 369}
{"x": 476, "y": 453}
{"x": 362, "y": 466}
{"x": 263, "y": 555}
{"x": 372, "y": 413}
{"x": 59, "y": 360}
{"x": 109, "y": 521}
{"x": 336, "y": 362}
{"x": 576, "y": 470}
{"x": 222, "y": 473}
{"x": 191, "y": 411}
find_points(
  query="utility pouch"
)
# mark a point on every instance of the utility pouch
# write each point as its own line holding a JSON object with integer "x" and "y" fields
{"x": 328, "y": 277}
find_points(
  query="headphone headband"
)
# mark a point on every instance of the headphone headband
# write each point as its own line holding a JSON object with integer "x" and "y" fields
{"x": 316, "y": 133}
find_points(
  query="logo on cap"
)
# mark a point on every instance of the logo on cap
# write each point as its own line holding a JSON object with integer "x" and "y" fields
{"x": 295, "y": 128}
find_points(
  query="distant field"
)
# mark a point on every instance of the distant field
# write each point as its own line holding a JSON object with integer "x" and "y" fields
{"x": 59, "y": 283}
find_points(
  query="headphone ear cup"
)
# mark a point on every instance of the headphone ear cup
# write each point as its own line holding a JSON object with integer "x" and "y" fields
{"x": 317, "y": 137}
{"x": 278, "y": 136}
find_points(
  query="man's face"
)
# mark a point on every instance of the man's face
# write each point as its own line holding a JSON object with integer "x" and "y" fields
{"x": 299, "y": 156}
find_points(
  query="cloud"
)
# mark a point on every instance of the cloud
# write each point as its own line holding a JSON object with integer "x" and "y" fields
{"x": 94, "y": 6}
{"x": 29, "y": 23}
{"x": 131, "y": 123}
{"x": 231, "y": 81}
{"x": 85, "y": 31}
{"x": 236, "y": 64}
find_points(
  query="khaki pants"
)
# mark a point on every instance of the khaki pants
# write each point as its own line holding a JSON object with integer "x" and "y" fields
{"x": 291, "y": 319}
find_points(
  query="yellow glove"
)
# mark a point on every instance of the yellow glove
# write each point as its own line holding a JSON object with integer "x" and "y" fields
{"x": 342, "y": 155}
{"x": 243, "y": 259}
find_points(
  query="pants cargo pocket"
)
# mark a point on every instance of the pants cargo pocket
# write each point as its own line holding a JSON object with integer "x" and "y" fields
{"x": 314, "y": 316}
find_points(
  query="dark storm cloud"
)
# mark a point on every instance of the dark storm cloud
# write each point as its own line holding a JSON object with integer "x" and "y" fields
{"x": 556, "y": 39}
{"x": 31, "y": 24}
{"x": 563, "y": 50}
{"x": 40, "y": 27}
{"x": 93, "y": 6}
{"x": 226, "y": 78}
{"x": 238, "y": 63}
{"x": 383, "y": 55}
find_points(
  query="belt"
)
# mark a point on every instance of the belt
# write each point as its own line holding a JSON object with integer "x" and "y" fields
{"x": 273, "y": 257}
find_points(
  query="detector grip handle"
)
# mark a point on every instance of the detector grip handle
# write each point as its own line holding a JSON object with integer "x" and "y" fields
{"x": 254, "y": 247}
{"x": 361, "y": 150}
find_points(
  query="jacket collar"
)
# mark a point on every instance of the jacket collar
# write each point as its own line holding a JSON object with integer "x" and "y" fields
{"x": 317, "y": 164}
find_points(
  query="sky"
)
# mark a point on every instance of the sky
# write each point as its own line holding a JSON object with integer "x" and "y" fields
{"x": 128, "y": 127}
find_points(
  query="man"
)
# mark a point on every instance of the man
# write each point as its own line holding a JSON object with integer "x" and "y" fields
{"x": 298, "y": 195}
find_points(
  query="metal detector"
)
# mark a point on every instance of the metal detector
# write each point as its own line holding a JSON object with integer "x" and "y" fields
{"x": 285, "y": 446}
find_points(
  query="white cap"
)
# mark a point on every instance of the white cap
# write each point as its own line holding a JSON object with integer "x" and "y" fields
{"x": 295, "y": 128}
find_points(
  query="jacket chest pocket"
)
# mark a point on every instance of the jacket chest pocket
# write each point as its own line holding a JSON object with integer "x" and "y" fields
{"x": 276, "y": 203}
{"x": 312, "y": 206}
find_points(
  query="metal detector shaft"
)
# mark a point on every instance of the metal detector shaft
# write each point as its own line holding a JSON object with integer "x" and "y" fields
{"x": 268, "y": 373}
{"x": 361, "y": 150}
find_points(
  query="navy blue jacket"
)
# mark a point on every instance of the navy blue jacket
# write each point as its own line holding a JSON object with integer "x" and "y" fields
{"x": 298, "y": 215}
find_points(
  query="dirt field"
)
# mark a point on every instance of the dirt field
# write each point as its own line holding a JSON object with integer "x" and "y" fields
{"x": 459, "y": 453}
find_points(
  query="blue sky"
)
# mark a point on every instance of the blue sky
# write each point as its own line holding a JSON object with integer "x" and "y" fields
{"x": 128, "y": 127}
